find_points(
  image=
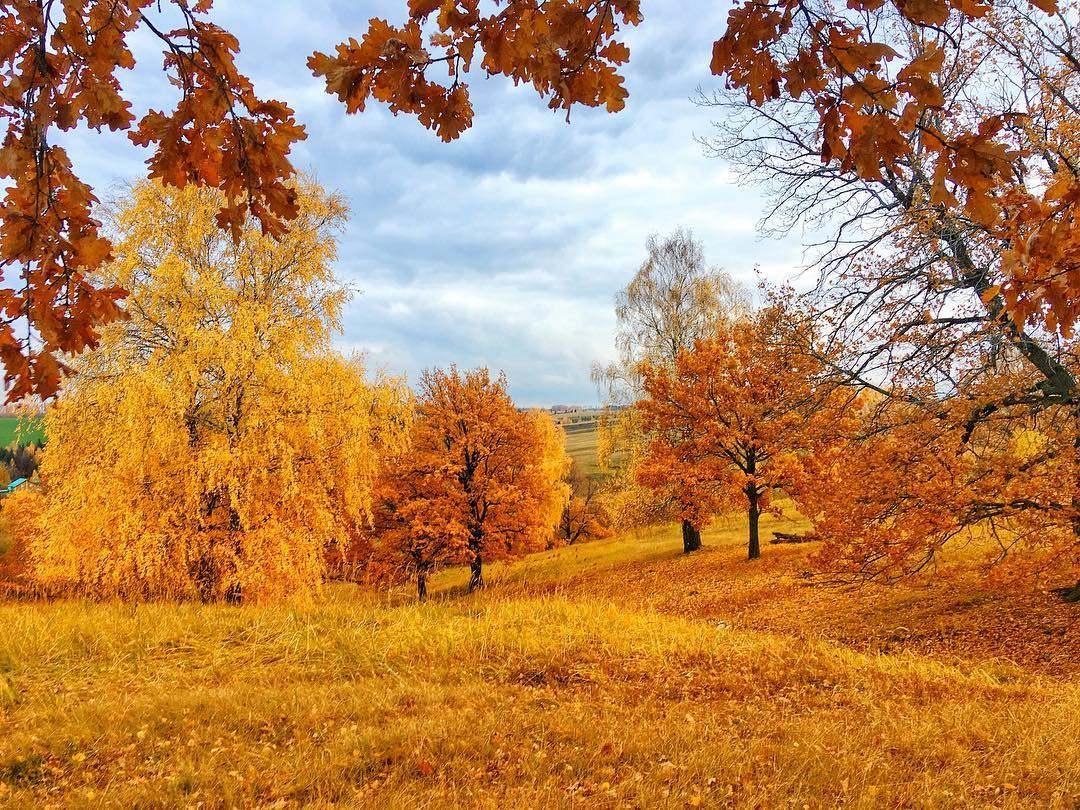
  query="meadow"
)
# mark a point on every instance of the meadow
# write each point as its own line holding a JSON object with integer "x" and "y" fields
{"x": 580, "y": 428}
{"x": 613, "y": 674}
{"x": 18, "y": 429}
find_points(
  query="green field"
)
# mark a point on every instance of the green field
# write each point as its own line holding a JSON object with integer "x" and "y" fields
{"x": 581, "y": 437}
{"x": 22, "y": 430}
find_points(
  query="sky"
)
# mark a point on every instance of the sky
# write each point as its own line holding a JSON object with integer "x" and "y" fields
{"x": 505, "y": 248}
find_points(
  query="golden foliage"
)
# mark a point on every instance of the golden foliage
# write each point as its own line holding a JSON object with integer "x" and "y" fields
{"x": 554, "y": 467}
{"x": 480, "y": 481}
{"x": 740, "y": 417}
{"x": 19, "y": 514}
{"x": 920, "y": 477}
{"x": 215, "y": 445}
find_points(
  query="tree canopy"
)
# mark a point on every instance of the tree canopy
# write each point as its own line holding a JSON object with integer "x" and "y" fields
{"x": 480, "y": 481}
{"x": 741, "y": 416}
{"x": 214, "y": 446}
{"x": 673, "y": 300}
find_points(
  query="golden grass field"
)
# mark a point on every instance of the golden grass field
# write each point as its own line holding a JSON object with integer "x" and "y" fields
{"x": 614, "y": 674}
{"x": 581, "y": 446}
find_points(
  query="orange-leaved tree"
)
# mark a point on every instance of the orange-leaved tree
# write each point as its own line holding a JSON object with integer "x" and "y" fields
{"x": 918, "y": 474}
{"x": 740, "y": 417}
{"x": 673, "y": 299}
{"x": 60, "y": 66}
{"x": 417, "y": 527}
{"x": 901, "y": 99}
{"x": 954, "y": 201}
{"x": 214, "y": 445}
{"x": 480, "y": 481}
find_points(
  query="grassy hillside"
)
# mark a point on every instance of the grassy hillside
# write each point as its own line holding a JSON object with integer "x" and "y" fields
{"x": 24, "y": 431}
{"x": 613, "y": 674}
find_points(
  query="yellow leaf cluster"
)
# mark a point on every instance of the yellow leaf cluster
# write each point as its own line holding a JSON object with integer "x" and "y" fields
{"x": 215, "y": 447}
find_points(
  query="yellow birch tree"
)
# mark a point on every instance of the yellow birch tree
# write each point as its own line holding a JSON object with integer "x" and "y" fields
{"x": 215, "y": 446}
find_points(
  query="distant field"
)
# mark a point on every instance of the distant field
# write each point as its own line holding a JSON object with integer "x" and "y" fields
{"x": 32, "y": 430}
{"x": 581, "y": 446}
{"x": 580, "y": 428}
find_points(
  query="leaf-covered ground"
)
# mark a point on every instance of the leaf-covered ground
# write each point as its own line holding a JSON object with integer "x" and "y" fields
{"x": 617, "y": 674}
{"x": 955, "y": 615}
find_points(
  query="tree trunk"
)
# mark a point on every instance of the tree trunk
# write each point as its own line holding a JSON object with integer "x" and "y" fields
{"x": 691, "y": 537}
{"x": 477, "y": 579}
{"x": 421, "y": 587}
{"x": 753, "y": 513}
{"x": 204, "y": 577}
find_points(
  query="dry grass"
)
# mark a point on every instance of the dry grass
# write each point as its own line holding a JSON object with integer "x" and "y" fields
{"x": 580, "y": 679}
{"x": 954, "y": 614}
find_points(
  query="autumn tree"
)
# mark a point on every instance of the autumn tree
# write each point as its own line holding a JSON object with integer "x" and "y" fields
{"x": 938, "y": 160}
{"x": 621, "y": 446}
{"x": 214, "y": 445}
{"x": 417, "y": 527}
{"x": 674, "y": 299}
{"x": 481, "y": 481}
{"x": 584, "y": 514}
{"x": 936, "y": 153}
{"x": 956, "y": 121}
{"x": 916, "y": 477}
{"x": 738, "y": 418}
{"x": 554, "y": 469}
{"x": 19, "y": 514}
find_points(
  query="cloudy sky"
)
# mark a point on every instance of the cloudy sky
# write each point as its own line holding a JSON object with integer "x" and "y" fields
{"x": 504, "y": 248}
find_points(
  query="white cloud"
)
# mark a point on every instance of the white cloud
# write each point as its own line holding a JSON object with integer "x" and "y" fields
{"x": 506, "y": 247}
